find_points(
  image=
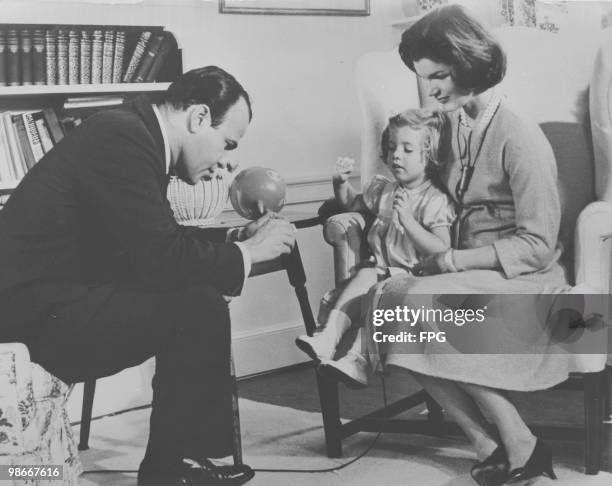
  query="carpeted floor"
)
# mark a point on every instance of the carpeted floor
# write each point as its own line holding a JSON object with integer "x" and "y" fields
{"x": 281, "y": 428}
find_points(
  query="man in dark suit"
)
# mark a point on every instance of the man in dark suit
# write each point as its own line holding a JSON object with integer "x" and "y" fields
{"x": 97, "y": 276}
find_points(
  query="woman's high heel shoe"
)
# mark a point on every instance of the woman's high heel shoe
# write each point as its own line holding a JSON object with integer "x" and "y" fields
{"x": 539, "y": 463}
{"x": 493, "y": 471}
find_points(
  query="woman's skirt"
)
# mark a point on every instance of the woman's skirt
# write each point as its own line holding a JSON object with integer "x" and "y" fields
{"x": 514, "y": 346}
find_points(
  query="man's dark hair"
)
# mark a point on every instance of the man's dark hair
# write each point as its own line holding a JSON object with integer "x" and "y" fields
{"x": 211, "y": 86}
{"x": 449, "y": 35}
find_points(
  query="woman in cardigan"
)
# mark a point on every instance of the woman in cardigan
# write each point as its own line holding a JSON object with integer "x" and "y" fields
{"x": 501, "y": 172}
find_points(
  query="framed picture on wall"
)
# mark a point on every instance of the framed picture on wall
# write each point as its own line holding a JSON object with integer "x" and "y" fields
{"x": 296, "y": 7}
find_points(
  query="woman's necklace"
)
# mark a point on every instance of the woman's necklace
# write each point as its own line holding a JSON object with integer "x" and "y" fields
{"x": 465, "y": 150}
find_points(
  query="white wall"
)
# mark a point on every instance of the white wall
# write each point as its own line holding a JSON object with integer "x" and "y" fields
{"x": 299, "y": 73}
{"x": 298, "y": 69}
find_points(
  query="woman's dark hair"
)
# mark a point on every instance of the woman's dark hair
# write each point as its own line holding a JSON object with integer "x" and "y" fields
{"x": 211, "y": 86}
{"x": 451, "y": 36}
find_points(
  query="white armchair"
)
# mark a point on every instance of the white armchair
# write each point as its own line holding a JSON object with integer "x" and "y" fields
{"x": 548, "y": 79}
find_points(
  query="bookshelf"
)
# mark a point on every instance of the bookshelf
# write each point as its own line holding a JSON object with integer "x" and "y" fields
{"x": 77, "y": 89}
{"x": 33, "y": 98}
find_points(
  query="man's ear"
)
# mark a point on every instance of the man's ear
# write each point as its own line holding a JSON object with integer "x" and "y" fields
{"x": 198, "y": 117}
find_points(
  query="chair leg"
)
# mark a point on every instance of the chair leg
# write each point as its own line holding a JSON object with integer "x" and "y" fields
{"x": 330, "y": 409}
{"x": 435, "y": 414}
{"x": 606, "y": 395}
{"x": 237, "y": 437}
{"x": 89, "y": 389}
{"x": 592, "y": 421}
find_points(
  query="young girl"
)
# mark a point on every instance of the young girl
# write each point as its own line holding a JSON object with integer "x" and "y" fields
{"x": 413, "y": 219}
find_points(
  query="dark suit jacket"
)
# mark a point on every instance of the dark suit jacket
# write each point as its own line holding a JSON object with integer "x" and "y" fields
{"x": 94, "y": 211}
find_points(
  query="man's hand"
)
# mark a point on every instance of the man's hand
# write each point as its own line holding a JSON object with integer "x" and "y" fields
{"x": 344, "y": 168}
{"x": 251, "y": 228}
{"x": 272, "y": 238}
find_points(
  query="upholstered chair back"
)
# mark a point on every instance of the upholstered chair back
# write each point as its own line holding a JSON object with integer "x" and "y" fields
{"x": 548, "y": 80}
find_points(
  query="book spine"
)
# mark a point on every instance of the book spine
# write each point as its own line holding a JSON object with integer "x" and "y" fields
{"x": 13, "y": 66}
{"x": 139, "y": 50}
{"x": 54, "y": 125}
{"x": 24, "y": 142}
{"x": 3, "y": 56}
{"x": 43, "y": 132}
{"x": 160, "y": 59}
{"x": 107, "y": 56}
{"x": 74, "y": 57}
{"x": 118, "y": 56}
{"x": 85, "y": 65}
{"x": 62, "y": 57}
{"x": 39, "y": 57}
{"x": 26, "y": 57}
{"x": 17, "y": 157}
{"x": 7, "y": 174}
{"x": 51, "y": 56}
{"x": 148, "y": 57}
{"x": 33, "y": 136}
{"x": 96, "y": 57}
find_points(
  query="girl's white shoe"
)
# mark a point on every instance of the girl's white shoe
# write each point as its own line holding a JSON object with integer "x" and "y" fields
{"x": 318, "y": 346}
{"x": 352, "y": 370}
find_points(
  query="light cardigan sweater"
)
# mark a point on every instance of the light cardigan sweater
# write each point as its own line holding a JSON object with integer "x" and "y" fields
{"x": 512, "y": 200}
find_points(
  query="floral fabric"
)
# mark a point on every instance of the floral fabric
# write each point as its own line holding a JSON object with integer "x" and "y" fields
{"x": 34, "y": 425}
{"x": 550, "y": 15}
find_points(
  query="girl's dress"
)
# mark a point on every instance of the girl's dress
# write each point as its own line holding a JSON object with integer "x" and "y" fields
{"x": 392, "y": 249}
{"x": 387, "y": 239}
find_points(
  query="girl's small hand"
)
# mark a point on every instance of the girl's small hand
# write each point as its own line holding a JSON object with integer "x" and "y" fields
{"x": 344, "y": 168}
{"x": 403, "y": 207}
{"x": 433, "y": 265}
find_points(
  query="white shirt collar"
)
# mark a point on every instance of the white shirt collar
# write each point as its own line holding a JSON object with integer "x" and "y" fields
{"x": 164, "y": 133}
{"x": 487, "y": 114}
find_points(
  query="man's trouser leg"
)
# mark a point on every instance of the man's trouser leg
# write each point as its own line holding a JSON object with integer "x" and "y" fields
{"x": 188, "y": 332}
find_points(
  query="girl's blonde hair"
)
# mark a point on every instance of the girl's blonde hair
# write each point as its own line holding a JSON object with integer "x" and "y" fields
{"x": 433, "y": 124}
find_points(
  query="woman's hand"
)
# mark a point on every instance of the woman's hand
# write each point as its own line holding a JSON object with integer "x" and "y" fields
{"x": 344, "y": 169}
{"x": 435, "y": 264}
{"x": 403, "y": 208}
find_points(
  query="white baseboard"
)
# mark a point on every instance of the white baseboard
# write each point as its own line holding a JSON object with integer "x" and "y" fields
{"x": 267, "y": 348}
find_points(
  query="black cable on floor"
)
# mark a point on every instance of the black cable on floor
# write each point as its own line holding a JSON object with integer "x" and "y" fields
{"x": 113, "y": 414}
{"x": 331, "y": 469}
{"x": 346, "y": 464}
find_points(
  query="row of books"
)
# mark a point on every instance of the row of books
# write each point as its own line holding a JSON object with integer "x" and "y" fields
{"x": 26, "y": 137}
{"x": 24, "y": 140}
{"x": 33, "y": 56}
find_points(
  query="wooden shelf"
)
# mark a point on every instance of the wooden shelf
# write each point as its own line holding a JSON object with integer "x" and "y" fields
{"x": 67, "y": 89}
{"x": 6, "y": 189}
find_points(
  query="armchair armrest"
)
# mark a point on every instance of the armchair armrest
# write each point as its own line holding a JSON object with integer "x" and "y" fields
{"x": 593, "y": 257}
{"x": 593, "y": 246}
{"x": 345, "y": 233}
